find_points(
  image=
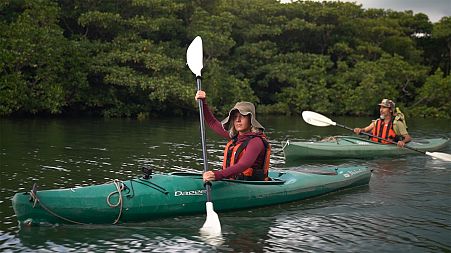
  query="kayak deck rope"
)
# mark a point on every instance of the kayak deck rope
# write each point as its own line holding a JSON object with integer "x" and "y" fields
{"x": 35, "y": 198}
{"x": 150, "y": 184}
{"x": 120, "y": 186}
{"x": 286, "y": 144}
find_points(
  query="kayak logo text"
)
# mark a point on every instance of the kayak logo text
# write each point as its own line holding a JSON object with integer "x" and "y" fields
{"x": 352, "y": 173}
{"x": 190, "y": 193}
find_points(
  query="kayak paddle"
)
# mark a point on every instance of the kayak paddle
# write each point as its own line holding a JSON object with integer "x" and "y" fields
{"x": 194, "y": 57}
{"x": 317, "y": 119}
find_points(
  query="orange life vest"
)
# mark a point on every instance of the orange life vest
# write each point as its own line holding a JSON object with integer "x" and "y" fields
{"x": 233, "y": 152}
{"x": 383, "y": 130}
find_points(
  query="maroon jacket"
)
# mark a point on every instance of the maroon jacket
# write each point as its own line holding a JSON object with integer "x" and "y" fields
{"x": 255, "y": 150}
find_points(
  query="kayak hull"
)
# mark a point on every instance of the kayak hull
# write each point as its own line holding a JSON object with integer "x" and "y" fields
{"x": 176, "y": 194}
{"x": 353, "y": 147}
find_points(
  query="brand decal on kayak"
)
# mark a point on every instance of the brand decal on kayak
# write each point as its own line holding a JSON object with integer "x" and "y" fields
{"x": 190, "y": 193}
{"x": 353, "y": 172}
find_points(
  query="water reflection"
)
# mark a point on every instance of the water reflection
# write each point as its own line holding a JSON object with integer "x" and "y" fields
{"x": 215, "y": 240}
{"x": 405, "y": 207}
{"x": 167, "y": 235}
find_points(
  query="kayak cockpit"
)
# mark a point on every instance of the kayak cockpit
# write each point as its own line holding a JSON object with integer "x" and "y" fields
{"x": 274, "y": 176}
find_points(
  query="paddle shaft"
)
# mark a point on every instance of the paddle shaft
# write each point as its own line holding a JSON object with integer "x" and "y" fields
{"x": 374, "y": 136}
{"x": 202, "y": 135}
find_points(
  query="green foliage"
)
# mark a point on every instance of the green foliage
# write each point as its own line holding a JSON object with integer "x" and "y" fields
{"x": 215, "y": 31}
{"x": 127, "y": 58}
{"x": 433, "y": 97}
{"x": 441, "y": 33}
{"x": 304, "y": 81}
{"x": 224, "y": 89}
{"x": 358, "y": 90}
{"x": 443, "y": 29}
{"x": 37, "y": 69}
{"x": 403, "y": 46}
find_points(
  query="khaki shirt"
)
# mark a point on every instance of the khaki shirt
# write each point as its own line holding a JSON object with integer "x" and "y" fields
{"x": 400, "y": 128}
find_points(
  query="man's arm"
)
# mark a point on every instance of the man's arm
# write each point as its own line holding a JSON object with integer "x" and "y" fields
{"x": 400, "y": 129}
{"x": 366, "y": 129}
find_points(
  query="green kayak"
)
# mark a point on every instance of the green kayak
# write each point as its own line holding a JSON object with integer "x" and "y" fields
{"x": 164, "y": 195}
{"x": 354, "y": 147}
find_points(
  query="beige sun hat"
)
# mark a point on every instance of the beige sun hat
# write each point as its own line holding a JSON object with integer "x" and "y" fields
{"x": 244, "y": 108}
{"x": 387, "y": 103}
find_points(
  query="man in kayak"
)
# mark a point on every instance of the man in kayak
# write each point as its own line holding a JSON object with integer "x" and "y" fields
{"x": 246, "y": 155}
{"x": 388, "y": 126}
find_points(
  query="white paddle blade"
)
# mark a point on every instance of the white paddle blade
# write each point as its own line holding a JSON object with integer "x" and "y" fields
{"x": 439, "y": 155}
{"x": 317, "y": 119}
{"x": 194, "y": 56}
{"x": 212, "y": 226}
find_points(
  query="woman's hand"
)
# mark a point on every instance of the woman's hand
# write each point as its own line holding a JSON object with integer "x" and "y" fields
{"x": 200, "y": 94}
{"x": 208, "y": 176}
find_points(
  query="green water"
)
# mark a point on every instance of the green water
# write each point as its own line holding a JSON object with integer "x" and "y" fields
{"x": 406, "y": 207}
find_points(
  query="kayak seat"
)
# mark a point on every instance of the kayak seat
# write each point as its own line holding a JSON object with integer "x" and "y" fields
{"x": 321, "y": 172}
{"x": 186, "y": 174}
{"x": 274, "y": 181}
{"x": 317, "y": 171}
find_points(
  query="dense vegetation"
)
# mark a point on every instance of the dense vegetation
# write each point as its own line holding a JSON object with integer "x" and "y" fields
{"x": 126, "y": 58}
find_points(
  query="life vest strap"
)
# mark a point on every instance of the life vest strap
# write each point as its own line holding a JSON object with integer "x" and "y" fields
{"x": 384, "y": 131}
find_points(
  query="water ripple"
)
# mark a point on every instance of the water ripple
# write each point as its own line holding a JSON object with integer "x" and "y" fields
{"x": 406, "y": 206}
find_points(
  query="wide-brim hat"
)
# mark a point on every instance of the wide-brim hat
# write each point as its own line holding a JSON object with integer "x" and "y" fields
{"x": 387, "y": 103}
{"x": 245, "y": 108}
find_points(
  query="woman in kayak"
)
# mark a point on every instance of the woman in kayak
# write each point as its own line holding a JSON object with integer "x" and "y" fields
{"x": 388, "y": 126}
{"x": 246, "y": 155}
